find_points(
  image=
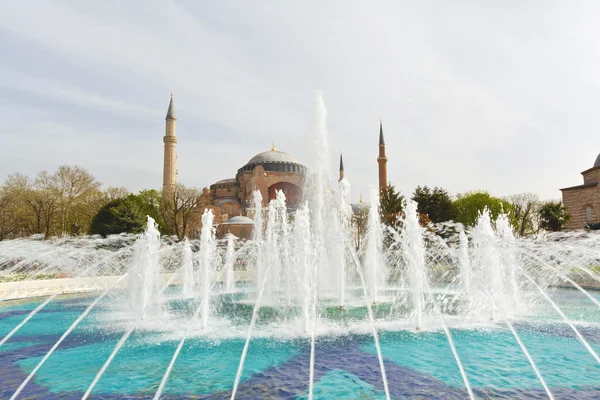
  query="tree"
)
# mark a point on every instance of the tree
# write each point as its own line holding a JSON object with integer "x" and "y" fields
{"x": 391, "y": 204}
{"x": 129, "y": 214}
{"x": 469, "y": 206}
{"x": 360, "y": 219}
{"x": 525, "y": 213}
{"x": 436, "y": 203}
{"x": 72, "y": 187}
{"x": 118, "y": 216}
{"x": 181, "y": 211}
{"x": 150, "y": 204}
{"x": 553, "y": 216}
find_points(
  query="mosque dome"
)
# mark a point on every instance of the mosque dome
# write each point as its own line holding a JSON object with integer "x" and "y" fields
{"x": 273, "y": 156}
{"x": 274, "y": 161}
{"x": 597, "y": 163}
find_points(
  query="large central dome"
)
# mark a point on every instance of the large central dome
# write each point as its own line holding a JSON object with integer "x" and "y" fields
{"x": 272, "y": 156}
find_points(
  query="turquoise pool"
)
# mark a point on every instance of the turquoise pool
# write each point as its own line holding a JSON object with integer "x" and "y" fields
{"x": 346, "y": 364}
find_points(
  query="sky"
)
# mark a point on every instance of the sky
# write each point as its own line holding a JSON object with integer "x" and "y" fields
{"x": 499, "y": 96}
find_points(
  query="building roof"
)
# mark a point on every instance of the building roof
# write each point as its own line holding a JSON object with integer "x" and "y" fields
{"x": 381, "y": 141}
{"x": 229, "y": 180}
{"x": 597, "y": 162}
{"x": 272, "y": 156}
{"x": 239, "y": 220}
{"x": 584, "y": 186}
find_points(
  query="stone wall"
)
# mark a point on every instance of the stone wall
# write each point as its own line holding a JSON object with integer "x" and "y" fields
{"x": 577, "y": 200}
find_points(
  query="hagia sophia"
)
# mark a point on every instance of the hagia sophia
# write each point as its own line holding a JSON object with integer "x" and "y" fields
{"x": 266, "y": 172}
{"x": 274, "y": 170}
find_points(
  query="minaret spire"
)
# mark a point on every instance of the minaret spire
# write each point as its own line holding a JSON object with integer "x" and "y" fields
{"x": 382, "y": 160}
{"x": 341, "y": 167}
{"x": 170, "y": 155}
{"x": 171, "y": 111}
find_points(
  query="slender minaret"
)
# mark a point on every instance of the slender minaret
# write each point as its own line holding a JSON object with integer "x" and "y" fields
{"x": 341, "y": 168}
{"x": 170, "y": 161}
{"x": 382, "y": 160}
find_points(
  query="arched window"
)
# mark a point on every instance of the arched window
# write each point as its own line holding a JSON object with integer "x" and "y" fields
{"x": 589, "y": 217}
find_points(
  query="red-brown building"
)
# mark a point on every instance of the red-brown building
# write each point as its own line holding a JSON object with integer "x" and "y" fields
{"x": 583, "y": 201}
{"x": 266, "y": 172}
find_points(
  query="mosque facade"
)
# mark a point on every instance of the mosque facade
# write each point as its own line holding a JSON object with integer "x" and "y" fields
{"x": 583, "y": 201}
{"x": 268, "y": 171}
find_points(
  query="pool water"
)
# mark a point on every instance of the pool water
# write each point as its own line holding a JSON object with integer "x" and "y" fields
{"x": 417, "y": 364}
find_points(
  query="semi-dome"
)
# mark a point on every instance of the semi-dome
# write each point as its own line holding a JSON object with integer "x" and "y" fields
{"x": 597, "y": 163}
{"x": 273, "y": 156}
{"x": 240, "y": 219}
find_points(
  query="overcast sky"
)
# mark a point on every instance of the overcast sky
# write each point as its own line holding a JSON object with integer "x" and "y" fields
{"x": 473, "y": 95}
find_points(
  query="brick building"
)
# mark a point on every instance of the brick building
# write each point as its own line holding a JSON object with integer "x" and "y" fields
{"x": 583, "y": 201}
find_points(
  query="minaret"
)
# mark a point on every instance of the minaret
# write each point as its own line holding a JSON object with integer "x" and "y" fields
{"x": 341, "y": 168}
{"x": 382, "y": 160}
{"x": 170, "y": 161}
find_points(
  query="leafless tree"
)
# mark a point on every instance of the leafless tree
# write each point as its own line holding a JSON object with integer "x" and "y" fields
{"x": 73, "y": 186}
{"x": 525, "y": 216}
{"x": 183, "y": 211}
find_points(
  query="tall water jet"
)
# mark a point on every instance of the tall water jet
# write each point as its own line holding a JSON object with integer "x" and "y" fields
{"x": 486, "y": 260}
{"x": 207, "y": 253}
{"x": 228, "y": 263}
{"x": 413, "y": 247}
{"x": 257, "y": 237}
{"x": 344, "y": 240}
{"x": 321, "y": 177}
{"x": 464, "y": 262}
{"x": 324, "y": 223}
{"x": 304, "y": 263}
{"x": 507, "y": 244}
{"x": 286, "y": 262}
{"x": 271, "y": 256}
{"x": 374, "y": 264}
{"x": 144, "y": 271}
{"x": 187, "y": 270}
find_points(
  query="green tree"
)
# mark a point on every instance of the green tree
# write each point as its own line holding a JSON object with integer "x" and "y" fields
{"x": 118, "y": 216}
{"x": 553, "y": 216}
{"x": 149, "y": 203}
{"x": 469, "y": 206}
{"x": 435, "y": 203}
{"x": 391, "y": 204}
{"x": 129, "y": 214}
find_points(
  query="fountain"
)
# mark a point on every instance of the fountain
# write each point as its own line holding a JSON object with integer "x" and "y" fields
{"x": 299, "y": 312}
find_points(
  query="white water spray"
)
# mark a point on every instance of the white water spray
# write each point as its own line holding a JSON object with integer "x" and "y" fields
{"x": 187, "y": 270}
